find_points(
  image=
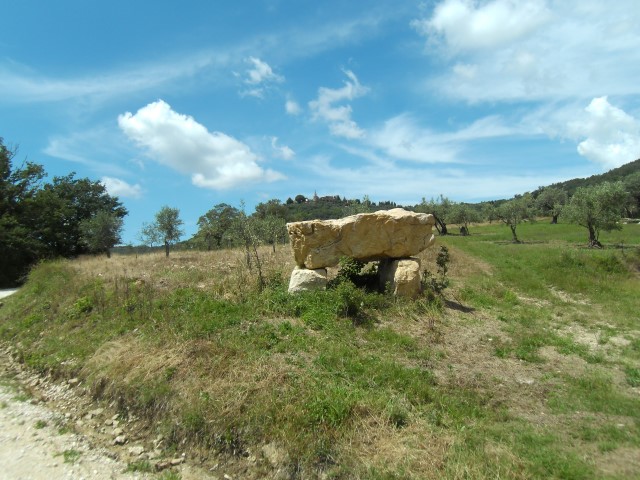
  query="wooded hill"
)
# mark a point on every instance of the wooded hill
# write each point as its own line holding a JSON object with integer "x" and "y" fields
{"x": 615, "y": 175}
{"x": 328, "y": 207}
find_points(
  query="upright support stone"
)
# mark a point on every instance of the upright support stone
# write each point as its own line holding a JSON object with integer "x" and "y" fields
{"x": 402, "y": 276}
{"x": 304, "y": 280}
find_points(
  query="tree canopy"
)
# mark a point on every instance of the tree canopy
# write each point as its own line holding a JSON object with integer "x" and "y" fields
{"x": 597, "y": 208}
{"x": 101, "y": 232}
{"x": 41, "y": 219}
{"x": 514, "y": 212}
{"x": 213, "y": 225}
{"x": 551, "y": 202}
{"x": 167, "y": 225}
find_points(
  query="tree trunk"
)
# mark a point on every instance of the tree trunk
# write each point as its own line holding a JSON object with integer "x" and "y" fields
{"x": 554, "y": 219}
{"x": 513, "y": 232}
{"x": 108, "y": 253}
{"x": 247, "y": 252}
{"x": 166, "y": 249}
{"x": 440, "y": 226}
{"x": 593, "y": 238}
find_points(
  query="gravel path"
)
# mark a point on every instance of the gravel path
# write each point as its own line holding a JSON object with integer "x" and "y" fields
{"x": 7, "y": 292}
{"x": 32, "y": 448}
{"x": 34, "y": 445}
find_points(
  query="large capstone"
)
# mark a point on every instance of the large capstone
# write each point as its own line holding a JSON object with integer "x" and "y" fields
{"x": 395, "y": 233}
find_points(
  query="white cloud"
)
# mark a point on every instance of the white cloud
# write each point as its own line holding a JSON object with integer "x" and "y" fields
{"x": 402, "y": 138}
{"x": 213, "y": 159}
{"x": 261, "y": 72}
{"x": 472, "y": 25}
{"x": 20, "y": 84}
{"x": 292, "y": 107}
{"x": 504, "y": 50}
{"x": 407, "y": 186}
{"x": 284, "y": 152}
{"x": 95, "y": 148}
{"x": 339, "y": 117}
{"x": 260, "y": 77}
{"x": 120, "y": 188}
{"x": 611, "y": 136}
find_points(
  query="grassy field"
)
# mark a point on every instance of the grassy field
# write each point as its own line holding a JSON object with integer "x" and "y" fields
{"x": 528, "y": 367}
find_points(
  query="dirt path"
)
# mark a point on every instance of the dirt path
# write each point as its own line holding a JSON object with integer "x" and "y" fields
{"x": 7, "y": 292}
{"x": 35, "y": 444}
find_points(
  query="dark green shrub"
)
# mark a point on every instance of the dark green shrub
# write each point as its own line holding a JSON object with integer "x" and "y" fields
{"x": 438, "y": 282}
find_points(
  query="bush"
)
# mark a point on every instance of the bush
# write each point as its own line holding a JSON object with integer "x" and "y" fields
{"x": 356, "y": 272}
{"x": 438, "y": 282}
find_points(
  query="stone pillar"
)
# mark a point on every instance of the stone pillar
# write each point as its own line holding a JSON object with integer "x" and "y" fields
{"x": 304, "y": 279}
{"x": 402, "y": 276}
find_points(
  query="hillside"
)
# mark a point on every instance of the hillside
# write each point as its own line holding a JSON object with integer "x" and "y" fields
{"x": 323, "y": 208}
{"x": 525, "y": 368}
{"x": 617, "y": 174}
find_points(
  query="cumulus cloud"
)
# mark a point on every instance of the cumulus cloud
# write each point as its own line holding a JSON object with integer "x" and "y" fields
{"x": 338, "y": 117}
{"x": 611, "y": 136}
{"x": 259, "y": 78}
{"x": 292, "y": 107}
{"x": 120, "y": 188}
{"x": 213, "y": 159}
{"x": 504, "y": 50}
{"x": 470, "y": 25}
{"x": 282, "y": 151}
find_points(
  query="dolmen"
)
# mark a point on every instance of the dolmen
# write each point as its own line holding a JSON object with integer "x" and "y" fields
{"x": 392, "y": 237}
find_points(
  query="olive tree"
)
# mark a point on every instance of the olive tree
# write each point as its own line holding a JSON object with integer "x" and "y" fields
{"x": 632, "y": 185}
{"x": 514, "y": 212}
{"x": 441, "y": 208}
{"x": 551, "y": 201}
{"x": 464, "y": 214}
{"x": 597, "y": 208}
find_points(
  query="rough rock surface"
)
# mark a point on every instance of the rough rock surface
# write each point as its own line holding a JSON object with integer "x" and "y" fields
{"x": 303, "y": 280}
{"x": 402, "y": 276}
{"x": 384, "y": 234}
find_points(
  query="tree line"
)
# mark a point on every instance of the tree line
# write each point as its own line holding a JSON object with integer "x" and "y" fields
{"x": 68, "y": 216}
{"x": 39, "y": 219}
{"x": 598, "y": 207}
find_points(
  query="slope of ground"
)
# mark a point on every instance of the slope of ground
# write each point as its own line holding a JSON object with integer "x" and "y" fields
{"x": 528, "y": 368}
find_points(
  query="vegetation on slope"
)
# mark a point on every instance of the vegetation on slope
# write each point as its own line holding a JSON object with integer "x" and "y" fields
{"x": 41, "y": 219}
{"x": 526, "y": 369}
{"x": 614, "y": 175}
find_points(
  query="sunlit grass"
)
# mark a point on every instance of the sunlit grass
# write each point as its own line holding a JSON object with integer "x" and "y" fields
{"x": 489, "y": 382}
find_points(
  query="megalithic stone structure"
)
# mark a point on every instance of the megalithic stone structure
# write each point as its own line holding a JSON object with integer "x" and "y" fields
{"x": 384, "y": 235}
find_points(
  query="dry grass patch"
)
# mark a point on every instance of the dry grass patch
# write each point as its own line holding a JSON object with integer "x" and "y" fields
{"x": 379, "y": 448}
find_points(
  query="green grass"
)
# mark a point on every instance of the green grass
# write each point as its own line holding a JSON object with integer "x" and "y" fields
{"x": 142, "y": 466}
{"x": 70, "y": 456}
{"x": 40, "y": 424}
{"x": 354, "y": 384}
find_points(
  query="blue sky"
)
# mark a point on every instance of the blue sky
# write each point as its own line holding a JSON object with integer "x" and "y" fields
{"x": 190, "y": 104}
